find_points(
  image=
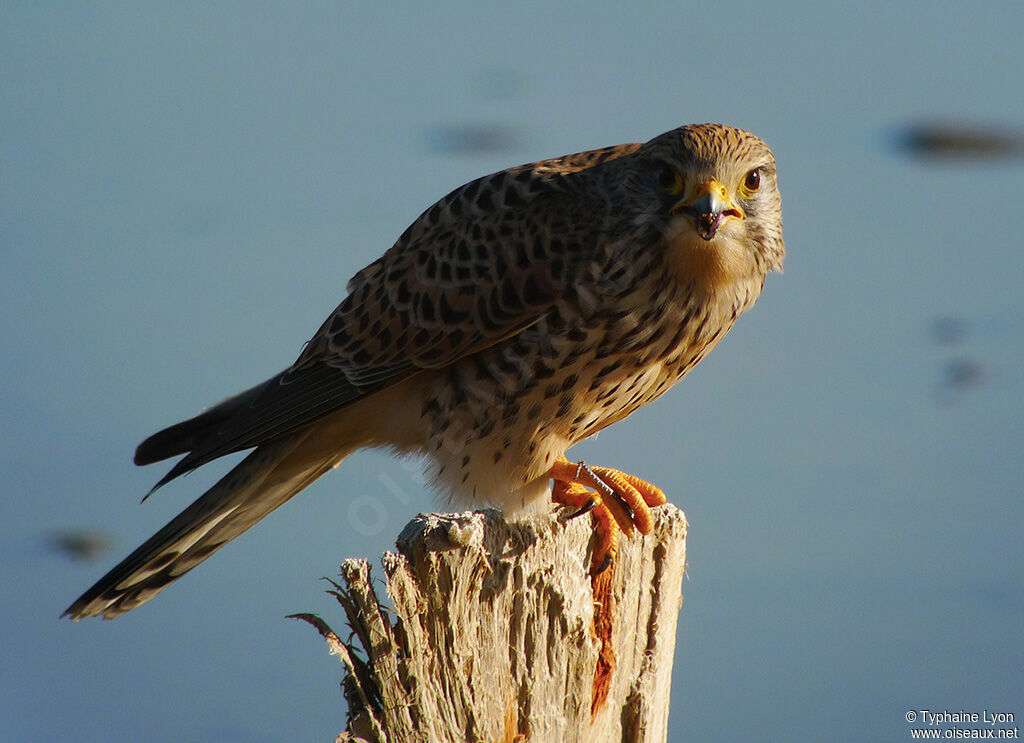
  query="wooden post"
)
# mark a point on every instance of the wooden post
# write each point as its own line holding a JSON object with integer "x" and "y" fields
{"x": 492, "y": 636}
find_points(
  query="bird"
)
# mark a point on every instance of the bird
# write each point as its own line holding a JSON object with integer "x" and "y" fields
{"x": 517, "y": 316}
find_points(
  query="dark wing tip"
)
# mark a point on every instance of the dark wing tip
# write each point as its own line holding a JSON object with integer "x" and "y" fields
{"x": 161, "y": 445}
{"x": 184, "y": 437}
{"x": 181, "y": 438}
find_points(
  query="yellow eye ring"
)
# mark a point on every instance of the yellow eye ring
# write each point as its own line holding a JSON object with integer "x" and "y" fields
{"x": 752, "y": 182}
{"x": 671, "y": 179}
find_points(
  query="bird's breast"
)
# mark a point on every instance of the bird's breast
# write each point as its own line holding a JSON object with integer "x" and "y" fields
{"x": 496, "y": 421}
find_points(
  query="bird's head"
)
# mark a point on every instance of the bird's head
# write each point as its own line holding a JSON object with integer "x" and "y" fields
{"x": 713, "y": 193}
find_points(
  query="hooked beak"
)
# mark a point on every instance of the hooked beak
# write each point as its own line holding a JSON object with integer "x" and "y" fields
{"x": 709, "y": 207}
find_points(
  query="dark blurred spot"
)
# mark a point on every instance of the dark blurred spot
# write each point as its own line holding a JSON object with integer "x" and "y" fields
{"x": 499, "y": 82}
{"x": 939, "y": 140}
{"x": 471, "y": 139}
{"x": 949, "y": 330}
{"x": 79, "y": 545}
{"x": 961, "y": 373}
{"x": 959, "y": 376}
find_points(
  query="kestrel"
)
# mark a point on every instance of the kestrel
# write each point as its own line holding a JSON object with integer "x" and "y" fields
{"x": 520, "y": 314}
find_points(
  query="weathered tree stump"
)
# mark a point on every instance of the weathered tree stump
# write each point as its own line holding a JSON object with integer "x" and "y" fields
{"x": 496, "y": 634}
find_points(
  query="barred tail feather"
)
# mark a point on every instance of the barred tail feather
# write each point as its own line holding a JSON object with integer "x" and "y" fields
{"x": 264, "y": 480}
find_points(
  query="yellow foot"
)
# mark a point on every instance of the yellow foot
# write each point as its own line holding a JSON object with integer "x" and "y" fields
{"x": 616, "y": 501}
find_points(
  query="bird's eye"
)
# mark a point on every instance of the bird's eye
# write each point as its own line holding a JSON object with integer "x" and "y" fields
{"x": 752, "y": 182}
{"x": 670, "y": 179}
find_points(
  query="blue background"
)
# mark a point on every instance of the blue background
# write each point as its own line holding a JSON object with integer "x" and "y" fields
{"x": 185, "y": 189}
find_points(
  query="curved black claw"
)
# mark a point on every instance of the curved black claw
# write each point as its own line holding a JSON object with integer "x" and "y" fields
{"x": 589, "y": 506}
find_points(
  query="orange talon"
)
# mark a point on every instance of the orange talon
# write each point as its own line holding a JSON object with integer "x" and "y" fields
{"x": 615, "y": 500}
{"x": 653, "y": 495}
{"x": 637, "y": 506}
{"x": 605, "y": 493}
{"x": 574, "y": 495}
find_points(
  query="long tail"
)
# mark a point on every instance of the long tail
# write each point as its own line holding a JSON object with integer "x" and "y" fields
{"x": 268, "y": 477}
